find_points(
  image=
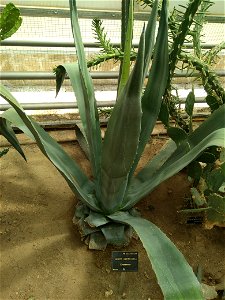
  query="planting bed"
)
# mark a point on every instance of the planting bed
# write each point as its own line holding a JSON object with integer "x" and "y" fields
{"x": 43, "y": 256}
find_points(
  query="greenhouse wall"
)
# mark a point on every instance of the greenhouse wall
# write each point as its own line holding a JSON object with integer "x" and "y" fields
{"x": 44, "y": 26}
{"x": 217, "y": 9}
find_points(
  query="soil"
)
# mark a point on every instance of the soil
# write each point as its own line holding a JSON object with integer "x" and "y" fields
{"x": 43, "y": 256}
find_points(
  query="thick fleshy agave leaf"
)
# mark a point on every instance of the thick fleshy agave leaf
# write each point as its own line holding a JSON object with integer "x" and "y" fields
{"x": 122, "y": 137}
{"x": 157, "y": 161}
{"x": 84, "y": 91}
{"x": 72, "y": 69}
{"x": 80, "y": 136}
{"x": 7, "y": 131}
{"x": 97, "y": 241}
{"x": 126, "y": 44}
{"x": 79, "y": 46}
{"x": 173, "y": 273}
{"x": 95, "y": 219}
{"x": 150, "y": 36}
{"x": 115, "y": 234}
{"x": 84, "y": 228}
{"x": 210, "y": 133}
{"x": 125, "y": 4}
{"x": 90, "y": 122}
{"x": 69, "y": 169}
{"x": 152, "y": 98}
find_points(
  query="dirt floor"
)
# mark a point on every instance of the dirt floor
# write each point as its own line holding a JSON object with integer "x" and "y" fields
{"x": 41, "y": 251}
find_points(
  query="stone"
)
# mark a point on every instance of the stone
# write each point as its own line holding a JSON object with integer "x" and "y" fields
{"x": 108, "y": 293}
{"x": 209, "y": 292}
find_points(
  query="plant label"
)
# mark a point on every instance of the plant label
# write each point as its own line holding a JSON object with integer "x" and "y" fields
{"x": 125, "y": 261}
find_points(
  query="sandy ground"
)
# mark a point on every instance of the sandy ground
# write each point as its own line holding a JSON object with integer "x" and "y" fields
{"x": 42, "y": 256}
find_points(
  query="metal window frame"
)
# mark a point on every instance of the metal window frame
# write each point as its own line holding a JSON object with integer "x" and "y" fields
{"x": 90, "y": 14}
{"x": 85, "y": 14}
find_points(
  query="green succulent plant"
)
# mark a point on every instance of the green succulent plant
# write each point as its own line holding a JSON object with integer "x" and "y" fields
{"x": 184, "y": 26}
{"x": 207, "y": 176}
{"x": 105, "y": 213}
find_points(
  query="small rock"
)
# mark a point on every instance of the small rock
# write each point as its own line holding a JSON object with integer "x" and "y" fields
{"x": 108, "y": 293}
{"x": 221, "y": 285}
{"x": 107, "y": 270}
{"x": 209, "y": 292}
{"x": 124, "y": 296}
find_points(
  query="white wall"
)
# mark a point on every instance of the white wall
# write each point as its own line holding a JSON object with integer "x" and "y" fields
{"x": 84, "y": 4}
{"x": 217, "y": 9}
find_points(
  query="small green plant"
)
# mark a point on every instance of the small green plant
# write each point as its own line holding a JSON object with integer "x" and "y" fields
{"x": 106, "y": 212}
{"x": 207, "y": 175}
{"x": 10, "y": 21}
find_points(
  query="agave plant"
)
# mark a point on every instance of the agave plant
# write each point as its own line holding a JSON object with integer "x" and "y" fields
{"x": 105, "y": 213}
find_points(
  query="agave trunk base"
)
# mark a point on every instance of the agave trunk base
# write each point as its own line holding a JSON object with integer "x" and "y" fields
{"x": 98, "y": 231}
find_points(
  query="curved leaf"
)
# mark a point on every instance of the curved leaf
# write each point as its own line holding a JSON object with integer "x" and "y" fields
{"x": 157, "y": 161}
{"x": 82, "y": 140}
{"x": 152, "y": 98}
{"x": 211, "y": 132}
{"x": 7, "y": 131}
{"x": 122, "y": 137}
{"x": 87, "y": 112}
{"x": 125, "y": 64}
{"x": 70, "y": 170}
{"x": 150, "y": 36}
{"x": 173, "y": 273}
{"x": 84, "y": 91}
